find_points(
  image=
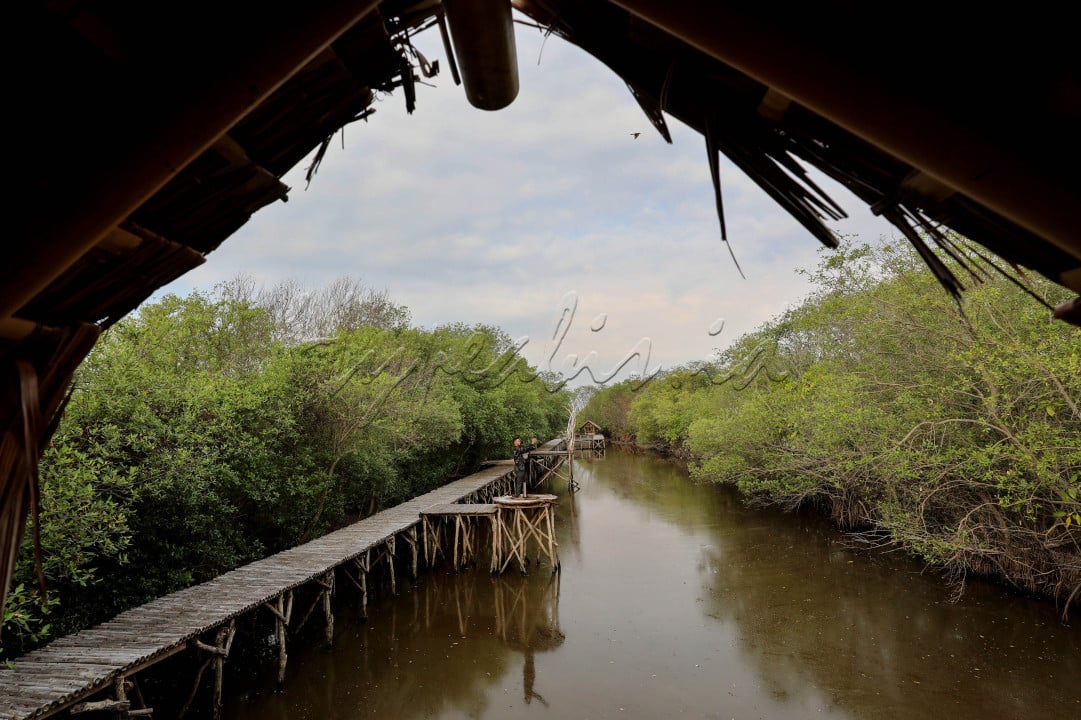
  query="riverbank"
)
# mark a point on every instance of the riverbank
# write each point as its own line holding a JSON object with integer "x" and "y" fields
{"x": 867, "y": 535}
{"x": 675, "y": 599}
{"x": 952, "y": 436}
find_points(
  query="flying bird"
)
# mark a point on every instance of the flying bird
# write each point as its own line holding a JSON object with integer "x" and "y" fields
{"x": 635, "y": 135}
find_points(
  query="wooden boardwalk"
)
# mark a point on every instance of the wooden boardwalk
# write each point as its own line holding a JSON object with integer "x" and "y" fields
{"x": 74, "y": 668}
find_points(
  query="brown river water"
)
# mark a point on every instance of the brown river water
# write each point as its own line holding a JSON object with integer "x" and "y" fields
{"x": 676, "y": 601}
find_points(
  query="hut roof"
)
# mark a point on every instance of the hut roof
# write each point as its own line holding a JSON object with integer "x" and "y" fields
{"x": 148, "y": 134}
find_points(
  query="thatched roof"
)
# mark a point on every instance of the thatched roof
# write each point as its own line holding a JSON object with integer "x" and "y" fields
{"x": 146, "y": 134}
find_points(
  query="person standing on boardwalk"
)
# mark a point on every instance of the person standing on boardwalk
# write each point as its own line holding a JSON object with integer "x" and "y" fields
{"x": 521, "y": 462}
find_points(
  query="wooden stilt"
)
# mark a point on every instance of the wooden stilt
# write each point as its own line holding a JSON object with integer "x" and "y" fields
{"x": 457, "y": 529}
{"x": 550, "y": 517}
{"x": 390, "y": 563}
{"x": 217, "y": 653}
{"x": 328, "y": 612}
{"x": 279, "y": 634}
{"x": 282, "y": 626}
{"x": 121, "y": 685}
{"x": 521, "y": 520}
{"x": 411, "y": 538}
{"x": 219, "y": 671}
{"x": 467, "y": 541}
{"x": 424, "y": 529}
{"x": 282, "y": 611}
{"x": 363, "y": 565}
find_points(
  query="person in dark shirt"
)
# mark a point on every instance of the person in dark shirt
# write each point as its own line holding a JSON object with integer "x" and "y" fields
{"x": 521, "y": 462}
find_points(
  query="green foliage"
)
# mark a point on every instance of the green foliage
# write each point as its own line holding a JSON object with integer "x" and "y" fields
{"x": 610, "y": 408}
{"x": 84, "y": 523}
{"x": 204, "y": 433}
{"x": 26, "y": 618}
{"x": 877, "y": 400}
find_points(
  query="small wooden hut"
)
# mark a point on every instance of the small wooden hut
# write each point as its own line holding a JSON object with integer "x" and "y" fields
{"x": 589, "y": 428}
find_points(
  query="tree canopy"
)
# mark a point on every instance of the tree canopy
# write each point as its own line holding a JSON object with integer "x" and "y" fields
{"x": 211, "y": 430}
{"x": 953, "y": 432}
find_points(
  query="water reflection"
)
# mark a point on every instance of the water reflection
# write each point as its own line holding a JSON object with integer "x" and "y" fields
{"x": 677, "y": 601}
{"x": 437, "y": 650}
{"x": 527, "y": 629}
{"x": 876, "y": 634}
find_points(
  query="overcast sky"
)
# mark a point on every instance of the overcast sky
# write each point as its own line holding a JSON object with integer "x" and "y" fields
{"x": 464, "y": 215}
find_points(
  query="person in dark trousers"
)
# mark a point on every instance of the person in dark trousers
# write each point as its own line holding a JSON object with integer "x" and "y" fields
{"x": 521, "y": 462}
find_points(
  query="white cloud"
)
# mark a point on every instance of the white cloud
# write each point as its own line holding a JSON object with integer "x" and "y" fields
{"x": 469, "y": 216}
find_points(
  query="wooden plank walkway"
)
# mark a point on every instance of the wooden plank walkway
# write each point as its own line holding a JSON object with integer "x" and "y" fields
{"x": 77, "y": 666}
{"x": 461, "y": 509}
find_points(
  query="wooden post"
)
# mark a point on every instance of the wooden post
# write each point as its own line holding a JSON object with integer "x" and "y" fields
{"x": 362, "y": 586}
{"x": 217, "y": 653}
{"x": 219, "y": 671}
{"x": 364, "y": 565}
{"x": 496, "y": 544}
{"x": 411, "y": 538}
{"x": 282, "y": 613}
{"x": 390, "y": 564}
{"x": 279, "y": 634}
{"x": 122, "y": 697}
{"x": 327, "y": 611}
{"x": 553, "y": 553}
{"x": 454, "y": 547}
{"x": 570, "y": 461}
{"x": 426, "y": 526}
{"x": 469, "y": 526}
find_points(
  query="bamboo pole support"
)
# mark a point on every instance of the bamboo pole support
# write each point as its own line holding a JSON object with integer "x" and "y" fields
{"x": 468, "y": 535}
{"x": 553, "y": 548}
{"x": 570, "y": 461}
{"x": 279, "y": 634}
{"x": 219, "y": 670}
{"x": 494, "y": 525}
{"x": 411, "y": 538}
{"x": 361, "y": 585}
{"x": 364, "y": 594}
{"x": 426, "y": 529}
{"x": 121, "y": 685}
{"x": 327, "y": 610}
{"x": 454, "y": 547}
{"x": 282, "y": 612}
{"x": 363, "y": 566}
{"x": 520, "y": 523}
{"x": 390, "y": 563}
